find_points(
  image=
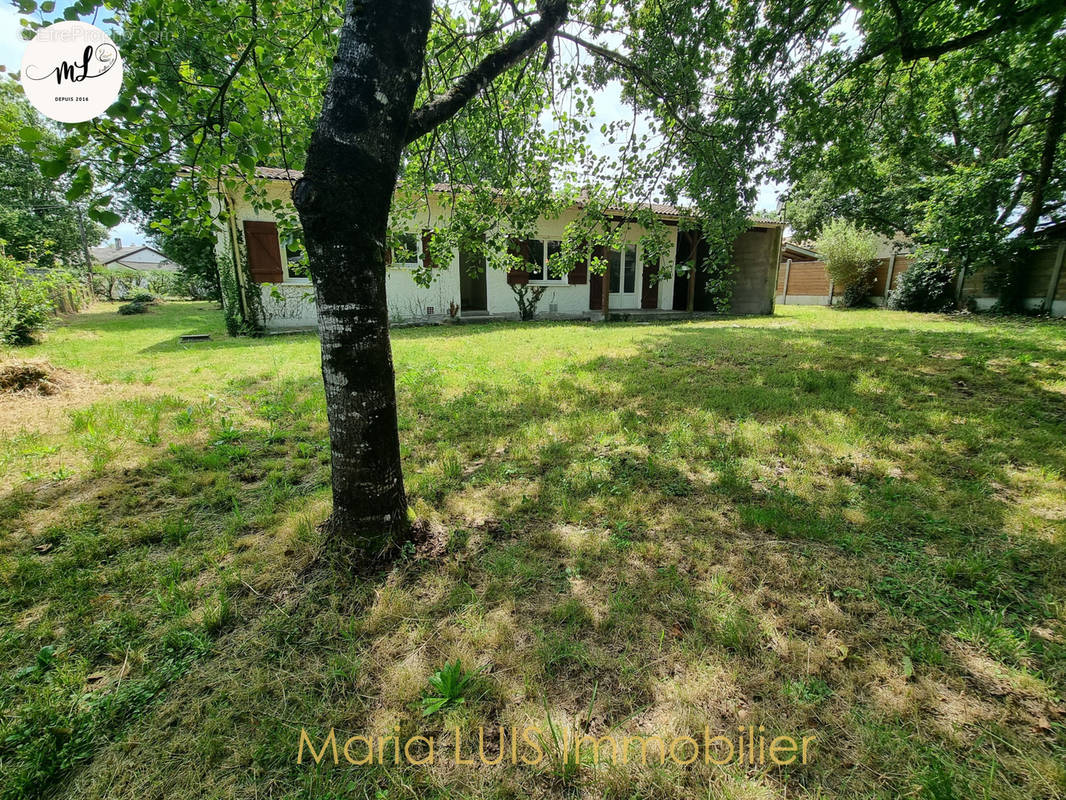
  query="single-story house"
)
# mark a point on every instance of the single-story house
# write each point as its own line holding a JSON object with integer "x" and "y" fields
{"x": 140, "y": 257}
{"x": 278, "y": 273}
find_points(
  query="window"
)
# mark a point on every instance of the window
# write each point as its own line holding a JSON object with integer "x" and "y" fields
{"x": 622, "y": 267}
{"x": 630, "y": 271}
{"x": 538, "y": 254}
{"x": 408, "y": 251}
{"x": 296, "y": 268}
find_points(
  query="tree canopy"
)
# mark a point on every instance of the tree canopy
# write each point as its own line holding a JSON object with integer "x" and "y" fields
{"x": 964, "y": 152}
{"x": 933, "y": 103}
{"x": 37, "y": 222}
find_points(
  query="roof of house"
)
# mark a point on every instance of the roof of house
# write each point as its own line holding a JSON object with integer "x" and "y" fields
{"x": 799, "y": 248}
{"x": 662, "y": 209}
{"x": 109, "y": 255}
{"x": 1054, "y": 230}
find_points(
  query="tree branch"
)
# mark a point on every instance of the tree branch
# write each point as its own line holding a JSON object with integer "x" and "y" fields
{"x": 1009, "y": 18}
{"x": 553, "y": 13}
{"x": 1056, "y": 124}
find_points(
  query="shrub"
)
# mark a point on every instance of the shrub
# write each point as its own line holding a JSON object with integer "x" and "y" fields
{"x": 180, "y": 284}
{"x": 527, "y": 297}
{"x": 850, "y": 256}
{"x": 926, "y": 286}
{"x": 112, "y": 284}
{"x": 143, "y": 297}
{"x": 133, "y": 308}
{"x": 28, "y": 297}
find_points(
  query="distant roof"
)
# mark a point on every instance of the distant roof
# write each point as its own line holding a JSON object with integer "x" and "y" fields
{"x": 799, "y": 248}
{"x": 109, "y": 255}
{"x": 1053, "y": 231}
{"x": 662, "y": 209}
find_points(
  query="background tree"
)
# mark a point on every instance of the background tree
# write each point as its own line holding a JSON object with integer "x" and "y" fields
{"x": 850, "y": 256}
{"x": 963, "y": 153}
{"x": 37, "y": 222}
{"x": 186, "y": 243}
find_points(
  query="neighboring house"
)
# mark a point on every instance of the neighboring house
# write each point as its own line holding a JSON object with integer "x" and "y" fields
{"x": 141, "y": 257}
{"x": 279, "y": 272}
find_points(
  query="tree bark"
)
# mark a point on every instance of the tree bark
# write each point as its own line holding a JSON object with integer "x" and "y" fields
{"x": 1055, "y": 125}
{"x": 343, "y": 200}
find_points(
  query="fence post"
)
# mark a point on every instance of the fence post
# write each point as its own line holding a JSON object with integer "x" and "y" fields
{"x": 784, "y": 290}
{"x": 1053, "y": 284}
{"x": 888, "y": 275}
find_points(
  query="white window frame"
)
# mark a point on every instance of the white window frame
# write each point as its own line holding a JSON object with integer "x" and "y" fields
{"x": 562, "y": 280}
{"x": 285, "y": 265}
{"x": 418, "y": 253}
{"x": 638, "y": 265}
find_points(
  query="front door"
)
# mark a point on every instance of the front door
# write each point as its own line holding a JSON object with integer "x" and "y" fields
{"x": 473, "y": 287}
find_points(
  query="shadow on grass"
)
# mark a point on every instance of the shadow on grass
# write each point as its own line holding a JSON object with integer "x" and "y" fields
{"x": 817, "y": 531}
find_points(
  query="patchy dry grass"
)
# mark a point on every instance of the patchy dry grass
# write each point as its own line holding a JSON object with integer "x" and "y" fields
{"x": 843, "y": 525}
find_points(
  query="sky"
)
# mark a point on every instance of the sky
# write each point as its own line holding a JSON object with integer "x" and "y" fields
{"x": 12, "y": 47}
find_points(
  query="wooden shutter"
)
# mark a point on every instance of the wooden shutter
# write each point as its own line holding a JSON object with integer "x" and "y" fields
{"x": 427, "y": 258}
{"x": 264, "y": 251}
{"x": 649, "y": 292}
{"x": 596, "y": 282}
{"x": 579, "y": 274}
{"x": 517, "y": 277}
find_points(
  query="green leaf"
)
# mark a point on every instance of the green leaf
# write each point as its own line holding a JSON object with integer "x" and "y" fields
{"x": 82, "y": 183}
{"x": 30, "y": 134}
{"x": 105, "y": 217}
{"x": 236, "y": 128}
{"x": 48, "y": 6}
{"x": 55, "y": 167}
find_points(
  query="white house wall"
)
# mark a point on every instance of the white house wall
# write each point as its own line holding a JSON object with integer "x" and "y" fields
{"x": 409, "y": 301}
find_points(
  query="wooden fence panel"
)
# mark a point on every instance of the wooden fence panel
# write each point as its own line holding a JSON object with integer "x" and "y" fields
{"x": 902, "y": 265}
{"x": 808, "y": 278}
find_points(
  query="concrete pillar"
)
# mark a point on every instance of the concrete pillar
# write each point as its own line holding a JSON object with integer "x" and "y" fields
{"x": 784, "y": 290}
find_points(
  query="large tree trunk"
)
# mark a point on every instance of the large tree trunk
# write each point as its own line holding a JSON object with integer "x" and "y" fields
{"x": 1052, "y": 136}
{"x": 343, "y": 201}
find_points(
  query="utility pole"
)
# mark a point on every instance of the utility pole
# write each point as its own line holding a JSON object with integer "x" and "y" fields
{"x": 84, "y": 242}
{"x": 85, "y": 251}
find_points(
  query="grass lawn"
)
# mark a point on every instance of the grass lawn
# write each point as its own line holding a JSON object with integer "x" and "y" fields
{"x": 845, "y": 525}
